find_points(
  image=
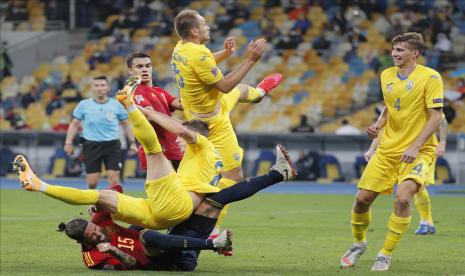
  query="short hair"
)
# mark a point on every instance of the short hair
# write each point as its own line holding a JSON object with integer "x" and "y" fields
{"x": 345, "y": 122}
{"x": 197, "y": 126}
{"x": 74, "y": 228}
{"x": 132, "y": 56}
{"x": 101, "y": 78}
{"x": 414, "y": 40}
{"x": 185, "y": 21}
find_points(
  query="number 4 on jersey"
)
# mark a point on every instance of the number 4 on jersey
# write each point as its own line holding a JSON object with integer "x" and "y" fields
{"x": 397, "y": 104}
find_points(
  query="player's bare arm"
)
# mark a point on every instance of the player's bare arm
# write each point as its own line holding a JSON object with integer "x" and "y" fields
{"x": 72, "y": 131}
{"x": 176, "y": 104}
{"x": 373, "y": 130}
{"x": 374, "y": 145}
{"x": 126, "y": 259}
{"x": 435, "y": 117}
{"x": 229, "y": 46}
{"x": 255, "y": 50}
{"x": 443, "y": 129}
{"x": 170, "y": 124}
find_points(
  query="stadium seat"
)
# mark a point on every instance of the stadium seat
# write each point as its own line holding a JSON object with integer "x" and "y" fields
{"x": 330, "y": 169}
{"x": 131, "y": 167}
{"x": 443, "y": 172}
{"x": 57, "y": 165}
{"x": 5, "y": 162}
{"x": 264, "y": 162}
{"x": 359, "y": 166}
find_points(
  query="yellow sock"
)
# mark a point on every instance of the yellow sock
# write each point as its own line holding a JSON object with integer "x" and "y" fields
{"x": 396, "y": 229}
{"x": 224, "y": 183}
{"x": 144, "y": 131}
{"x": 423, "y": 203}
{"x": 360, "y": 224}
{"x": 71, "y": 195}
{"x": 254, "y": 94}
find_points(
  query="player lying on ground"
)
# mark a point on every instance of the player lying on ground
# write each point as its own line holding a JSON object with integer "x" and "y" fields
{"x": 199, "y": 225}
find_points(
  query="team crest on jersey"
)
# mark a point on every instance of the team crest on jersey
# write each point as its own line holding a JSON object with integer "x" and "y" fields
{"x": 214, "y": 71}
{"x": 409, "y": 85}
{"x": 236, "y": 156}
{"x": 389, "y": 87}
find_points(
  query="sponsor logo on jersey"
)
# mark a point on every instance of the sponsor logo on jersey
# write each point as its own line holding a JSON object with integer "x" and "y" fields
{"x": 435, "y": 77}
{"x": 389, "y": 87}
{"x": 203, "y": 58}
{"x": 139, "y": 98}
{"x": 438, "y": 101}
{"x": 409, "y": 85}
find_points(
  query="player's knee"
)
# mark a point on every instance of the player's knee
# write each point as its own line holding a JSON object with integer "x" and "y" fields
{"x": 402, "y": 202}
{"x": 362, "y": 202}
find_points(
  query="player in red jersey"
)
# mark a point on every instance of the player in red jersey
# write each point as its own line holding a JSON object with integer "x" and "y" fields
{"x": 155, "y": 98}
{"x": 109, "y": 246}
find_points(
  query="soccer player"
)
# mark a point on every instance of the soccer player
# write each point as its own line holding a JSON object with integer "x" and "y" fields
{"x": 154, "y": 98}
{"x": 100, "y": 117}
{"x": 208, "y": 95}
{"x": 171, "y": 197}
{"x": 422, "y": 199}
{"x": 109, "y": 246}
{"x": 413, "y": 96}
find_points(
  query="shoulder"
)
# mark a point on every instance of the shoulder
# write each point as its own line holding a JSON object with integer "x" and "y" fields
{"x": 389, "y": 72}
{"x": 429, "y": 73}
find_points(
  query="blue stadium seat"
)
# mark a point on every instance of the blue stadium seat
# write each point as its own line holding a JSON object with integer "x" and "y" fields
{"x": 360, "y": 165}
{"x": 263, "y": 163}
{"x": 443, "y": 173}
{"x": 7, "y": 157}
{"x": 330, "y": 169}
{"x": 58, "y": 163}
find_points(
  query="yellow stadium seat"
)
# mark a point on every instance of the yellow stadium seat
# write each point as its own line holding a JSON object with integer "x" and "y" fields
{"x": 130, "y": 168}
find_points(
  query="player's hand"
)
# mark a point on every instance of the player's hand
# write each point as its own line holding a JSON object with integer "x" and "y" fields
{"x": 91, "y": 210}
{"x": 373, "y": 131}
{"x": 230, "y": 45}
{"x": 104, "y": 247}
{"x": 369, "y": 154}
{"x": 441, "y": 149}
{"x": 409, "y": 155}
{"x": 133, "y": 148}
{"x": 255, "y": 49}
{"x": 69, "y": 149}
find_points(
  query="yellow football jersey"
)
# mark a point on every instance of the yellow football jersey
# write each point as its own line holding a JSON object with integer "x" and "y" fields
{"x": 195, "y": 69}
{"x": 407, "y": 101}
{"x": 200, "y": 168}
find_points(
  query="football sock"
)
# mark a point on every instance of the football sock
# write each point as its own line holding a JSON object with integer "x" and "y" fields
{"x": 224, "y": 183}
{"x": 151, "y": 238}
{"x": 71, "y": 195}
{"x": 144, "y": 131}
{"x": 254, "y": 94}
{"x": 396, "y": 229}
{"x": 360, "y": 224}
{"x": 423, "y": 203}
{"x": 245, "y": 189}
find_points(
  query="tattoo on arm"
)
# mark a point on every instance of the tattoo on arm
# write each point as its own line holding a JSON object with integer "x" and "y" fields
{"x": 127, "y": 259}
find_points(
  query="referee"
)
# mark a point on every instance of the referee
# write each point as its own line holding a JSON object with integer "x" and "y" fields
{"x": 100, "y": 117}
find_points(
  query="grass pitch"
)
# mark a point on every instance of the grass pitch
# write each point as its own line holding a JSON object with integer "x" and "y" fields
{"x": 273, "y": 234}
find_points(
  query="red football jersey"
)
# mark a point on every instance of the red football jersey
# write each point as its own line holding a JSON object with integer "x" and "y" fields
{"x": 160, "y": 100}
{"x": 122, "y": 238}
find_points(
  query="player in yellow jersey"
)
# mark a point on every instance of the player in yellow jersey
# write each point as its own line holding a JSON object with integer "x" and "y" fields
{"x": 207, "y": 94}
{"x": 413, "y": 98}
{"x": 171, "y": 197}
{"x": 422, "y": 199}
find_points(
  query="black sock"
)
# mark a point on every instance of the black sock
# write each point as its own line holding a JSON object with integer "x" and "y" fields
{"x": 246, "y": 188}
{"x": 155, "y": 239}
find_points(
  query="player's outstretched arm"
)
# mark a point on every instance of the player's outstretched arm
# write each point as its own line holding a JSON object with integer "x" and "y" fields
{"x": 255, "y": 50}
{"x": 435, "y": 117}
{"x": 170, "y": 124}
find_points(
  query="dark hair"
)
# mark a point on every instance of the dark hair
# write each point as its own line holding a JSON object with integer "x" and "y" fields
{"x": 132, "y": 56}
{"x": 74, "y": 228}
{"x": 185, "y": 21}
{"x": 197, "y": 126}
{"x": 101, "y": 78}
{"x": 414, "y": 40}
{"x": 345, "y": 122}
